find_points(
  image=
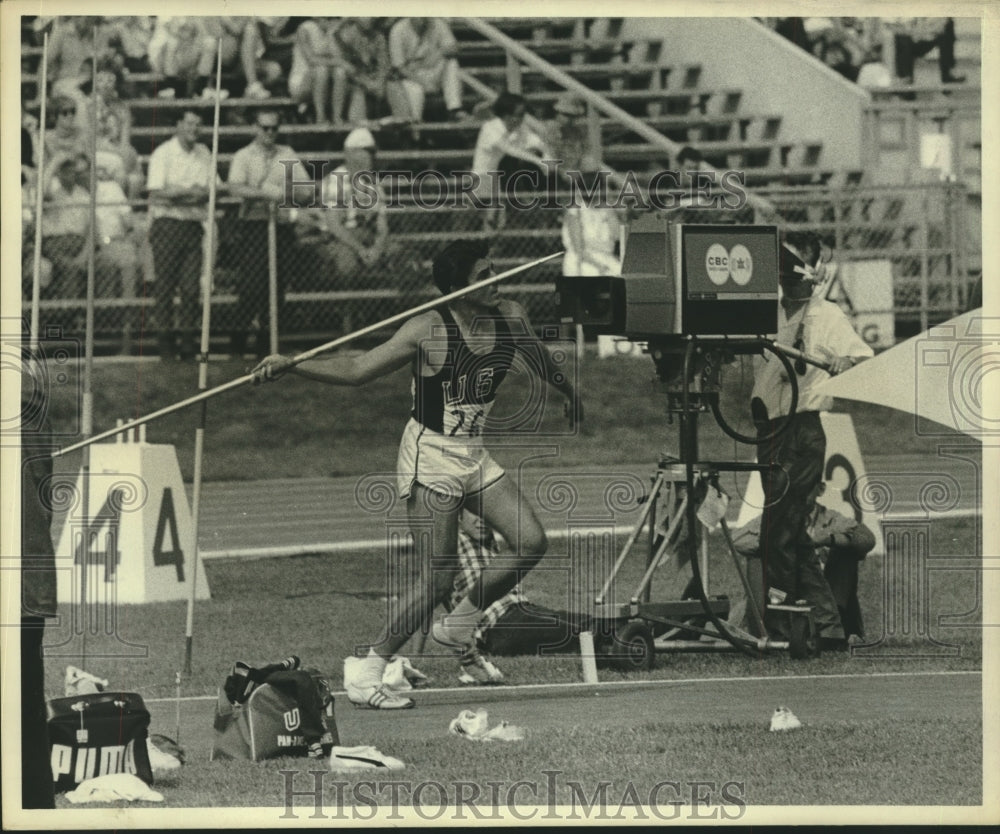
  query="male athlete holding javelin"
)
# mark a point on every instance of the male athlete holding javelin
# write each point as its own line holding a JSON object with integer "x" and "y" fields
{"x": 460, "y": 354}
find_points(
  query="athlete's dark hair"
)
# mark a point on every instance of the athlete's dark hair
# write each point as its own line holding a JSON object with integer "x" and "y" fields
{"x": 453, "y": 264}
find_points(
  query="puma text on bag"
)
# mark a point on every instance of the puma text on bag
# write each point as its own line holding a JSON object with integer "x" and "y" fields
{"x": 96, "y": 735}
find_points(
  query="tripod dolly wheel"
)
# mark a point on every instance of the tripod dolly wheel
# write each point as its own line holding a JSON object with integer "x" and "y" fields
{"x": 632, "y": 649}
{"x": 803, "y": 641}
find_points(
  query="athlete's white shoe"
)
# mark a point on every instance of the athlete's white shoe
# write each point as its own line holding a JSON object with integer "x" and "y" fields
{"x": 376, "y": 696}
{"x": 364, "y": 757}
{"x": 476, "y": 670}
{"x": 784, "y": 719}
{"x": 364, "y": 687}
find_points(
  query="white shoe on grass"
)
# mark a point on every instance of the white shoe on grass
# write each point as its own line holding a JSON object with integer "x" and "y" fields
{"x": 376, "y": 696}
{"x": 476, "y": 670}
{"x": 364, "y": 687}
{"x": 364, "y": 757}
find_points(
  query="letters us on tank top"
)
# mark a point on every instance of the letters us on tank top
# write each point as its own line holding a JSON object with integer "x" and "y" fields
{"x": 457, "y": 399}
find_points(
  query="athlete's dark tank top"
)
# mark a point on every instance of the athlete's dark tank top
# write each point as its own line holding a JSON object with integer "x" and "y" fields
{"x": 457, "y": 399}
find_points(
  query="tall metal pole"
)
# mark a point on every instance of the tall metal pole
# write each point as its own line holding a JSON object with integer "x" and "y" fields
{"x": 207, "y": 277}
{"x": 88, "y": 359}
{"x": 272, "y": 278}
{"x": 36, "y": 264}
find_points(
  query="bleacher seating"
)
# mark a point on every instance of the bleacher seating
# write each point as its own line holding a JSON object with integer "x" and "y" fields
{"x": 632, "y": 74}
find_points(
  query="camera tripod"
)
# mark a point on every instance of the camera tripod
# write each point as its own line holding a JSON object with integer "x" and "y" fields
{"x": 631, "y": 633}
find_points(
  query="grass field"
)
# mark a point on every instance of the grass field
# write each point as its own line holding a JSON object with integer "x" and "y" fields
{"x": 297, "y": 428}
{"x": 320, "y": 606}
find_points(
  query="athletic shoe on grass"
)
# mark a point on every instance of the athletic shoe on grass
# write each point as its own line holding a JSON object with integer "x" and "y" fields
{"x": 362, "y": 758}
{"x": 476, "y": 670}
{"x": 376, "y": 696}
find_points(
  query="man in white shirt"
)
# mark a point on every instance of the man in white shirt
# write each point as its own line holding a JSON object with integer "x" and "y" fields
{"x": 180, "y": 172}
{"x": 422, "y": 51}
{"x": 818, "y": 328}
{"x": 258, "y": 175}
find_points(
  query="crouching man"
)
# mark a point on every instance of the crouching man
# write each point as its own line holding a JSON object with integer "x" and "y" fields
{"x": 828, "y": 578}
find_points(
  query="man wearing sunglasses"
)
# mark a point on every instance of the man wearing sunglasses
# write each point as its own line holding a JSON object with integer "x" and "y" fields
{"x": 257, "y": 175}
{"x": 818, "y": 328}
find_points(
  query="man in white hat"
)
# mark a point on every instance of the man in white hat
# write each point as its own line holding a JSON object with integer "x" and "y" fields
{"x": 353, "y": 231}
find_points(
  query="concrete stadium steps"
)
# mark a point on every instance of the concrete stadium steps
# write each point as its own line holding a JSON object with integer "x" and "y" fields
{"x": 562, "y": 51}
{"x": 684, "y": 129}
{"x": 600, "y": 77}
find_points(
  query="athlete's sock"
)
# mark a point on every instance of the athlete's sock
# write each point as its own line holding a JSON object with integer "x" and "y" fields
{"x": 365, "y": 671}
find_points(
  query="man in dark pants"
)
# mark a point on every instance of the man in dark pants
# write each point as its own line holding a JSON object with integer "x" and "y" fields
{"x": 818, "y": 328}
{"x": 38, "y": 589}
{"x": 828, "y": 576}
{"x": 178, "y": 182}
{"x": 257, "y": 174}
{"x": 919, "y": 37}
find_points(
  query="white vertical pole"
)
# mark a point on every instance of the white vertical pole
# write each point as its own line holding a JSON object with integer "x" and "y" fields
{"x": 36, "y": 271}
{"x": 207, "y": 277}
{"x": 272, "y": 279}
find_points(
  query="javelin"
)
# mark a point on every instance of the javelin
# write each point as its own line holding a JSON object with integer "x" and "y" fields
{"x": 310, "y": 354}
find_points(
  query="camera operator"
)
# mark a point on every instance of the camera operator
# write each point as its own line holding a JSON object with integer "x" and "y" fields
{"x": 817, "y": 328}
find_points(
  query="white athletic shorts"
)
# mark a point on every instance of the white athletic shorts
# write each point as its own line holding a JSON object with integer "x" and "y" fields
{"x": 452, "y": 466}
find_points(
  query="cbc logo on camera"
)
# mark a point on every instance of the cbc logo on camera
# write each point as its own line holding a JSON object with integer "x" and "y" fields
{"x": 721, "y": 265}
{"x": 51, "y": 371}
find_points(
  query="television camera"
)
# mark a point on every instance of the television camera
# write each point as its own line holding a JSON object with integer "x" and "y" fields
{"x": 698, "y": 296}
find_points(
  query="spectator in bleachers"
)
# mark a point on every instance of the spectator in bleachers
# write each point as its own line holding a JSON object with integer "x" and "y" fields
{"x": 175, "y": 52}
{"x": 317, "y": 76}
{"x": 568, "y": 138}
{"x": 71, "y": 49}
{"x": 364, "y": 53}
{"x": 356, "y": 228}
{"x": 837, "y": 57}
{"x": 127, "y": 168}
{"x": 66, "y": 223}
{"x": 180, "y": 172}
{"x": 230, "y": 30}
{"x": 260, "y": 65}
{"x": 590, "y": 237}
{"x": 185, "y": 51}
{"x": 258, "y": 176}
{"x": 509, "y": 142}
{"x": 68, "y": 135}
{"x": 916, "y": 36}
{"x": 423, "y": 53}
{"x": 117, "y": 252}
{"x": 113, "y": 124}
{"x": 130, "y": 37}
{"x": 874, "y": 73}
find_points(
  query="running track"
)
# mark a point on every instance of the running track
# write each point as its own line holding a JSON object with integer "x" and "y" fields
{"x": 289, "y": 516}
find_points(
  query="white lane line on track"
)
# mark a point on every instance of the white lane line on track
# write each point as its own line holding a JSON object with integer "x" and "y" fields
{"x": 661, "y": 682}
{"x": 372, "y": 544}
